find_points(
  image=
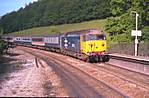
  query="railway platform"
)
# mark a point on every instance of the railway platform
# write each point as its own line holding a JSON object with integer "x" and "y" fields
{"x": 136, "y": 63}
{"x": 140, "y": 58}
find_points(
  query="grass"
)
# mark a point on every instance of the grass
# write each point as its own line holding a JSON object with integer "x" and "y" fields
{"x": 97, "y": 24}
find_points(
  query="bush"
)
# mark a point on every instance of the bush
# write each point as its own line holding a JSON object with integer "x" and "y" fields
{"x": 145, "y": 34}
{"x": 122, "y": 38}
{"x": 3, "y": 46}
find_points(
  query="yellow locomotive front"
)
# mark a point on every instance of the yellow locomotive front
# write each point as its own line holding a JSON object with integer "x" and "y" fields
{"x": 94, "y": 45}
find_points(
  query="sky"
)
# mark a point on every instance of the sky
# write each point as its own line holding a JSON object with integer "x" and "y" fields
{"x": 7, "y": 6}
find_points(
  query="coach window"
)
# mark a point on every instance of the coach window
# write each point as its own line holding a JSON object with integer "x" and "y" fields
{"x": 38, "y": 39}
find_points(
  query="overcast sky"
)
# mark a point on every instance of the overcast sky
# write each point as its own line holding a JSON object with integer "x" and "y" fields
{"x": 7, "y": 6}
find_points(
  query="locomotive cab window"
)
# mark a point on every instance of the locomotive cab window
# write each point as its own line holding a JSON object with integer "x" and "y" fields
{"x": 101, "y": 37}
{"x": 94, "y": 37}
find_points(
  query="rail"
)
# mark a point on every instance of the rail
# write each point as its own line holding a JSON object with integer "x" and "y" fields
{"x": 75, "y": 77}
{"x": 129, "y": 59}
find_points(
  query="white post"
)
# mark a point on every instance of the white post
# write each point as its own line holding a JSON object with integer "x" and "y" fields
{"x": 136, "y": 39}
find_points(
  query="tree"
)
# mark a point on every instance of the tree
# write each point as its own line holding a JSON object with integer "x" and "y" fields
{"x": 121, "y": 25}
{"x": 119, "y": 7}
{"x": 1, "y": 31}
{"x": 124, "y": 23}
{"x": 53, "y": 12}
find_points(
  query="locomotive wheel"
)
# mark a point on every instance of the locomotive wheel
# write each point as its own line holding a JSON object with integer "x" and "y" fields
{"x": 92, "y": 59}
{"x": 106, "y": 58}
{"x": 96, "y": 59}
{"x": 100, "y": 59}
{"x": 88, "y": 59}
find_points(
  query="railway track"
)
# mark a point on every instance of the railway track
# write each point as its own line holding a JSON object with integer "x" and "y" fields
{"x": 74, "y": 79}
{"x": 135, "y": 77}
{"x": 67, "y": 77}
{"x": 131, "y": 64}
{"x": 138, "y": 77}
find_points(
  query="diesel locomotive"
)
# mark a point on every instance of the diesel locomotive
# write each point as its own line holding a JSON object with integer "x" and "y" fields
{"x": 88, "y": 45}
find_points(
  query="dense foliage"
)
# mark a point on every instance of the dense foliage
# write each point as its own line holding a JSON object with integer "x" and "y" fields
{"x": 51, "y": 12}
{"x": 123, "y": 20}
{"x": 3, "y": 45}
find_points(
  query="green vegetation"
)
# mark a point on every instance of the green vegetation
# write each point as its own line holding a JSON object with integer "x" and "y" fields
{"x": 145, "y": 36}
{"x": 58, "y": 16}
{"x": 3, "y": 45}
{"x": 55, "y": 12}
{"x": 123, "y": 21}
{"x": 98, "y": 24}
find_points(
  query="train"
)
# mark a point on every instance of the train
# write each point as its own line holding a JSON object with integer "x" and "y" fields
{"x": 88, "y": 45}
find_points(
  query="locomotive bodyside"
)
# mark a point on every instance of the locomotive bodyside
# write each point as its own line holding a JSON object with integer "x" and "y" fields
{"x": 71, "y": 43}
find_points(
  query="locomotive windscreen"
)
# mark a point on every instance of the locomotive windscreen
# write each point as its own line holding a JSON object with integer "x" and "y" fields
{"x": 94, "y": 37}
